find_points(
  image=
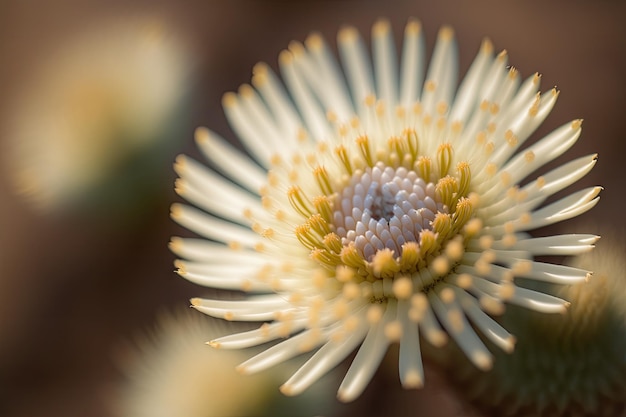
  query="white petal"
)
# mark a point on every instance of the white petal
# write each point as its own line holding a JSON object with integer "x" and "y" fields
{"x": 283, "y": 351}
{"x": 554, "y": 273}
{"x": 240, "y": 122}
{"x": 356, "y": 65}
{"x": 544, "y": 151}
{"x": 561, "y": 177}
{"x": 308, "y": 105}
{"x": 564, "y": 209}
{"x": 412, "y": 71}
{"x": 212, "y": 227}
{"x": 555, "y": 245}
{"x": 410, "y": 362}
{"x": 240, "y": 277}
{"x": 277, "y": 100}
{"x": 368, "y": 358}
{"x": 488, "y": 326}
{"x": 202, "y": 250}
{"x": 467, "y": 97}
{"x": 339, "y": 98}
{"x": 253, "y": 308}
{"x": 229, "y": 161}
{"x": 385, "y": 67}
{"x": 453, "y": 319}
{"x": 265, "y": 333}
{"x": 326, "y": 358}
{"x": 443, "y": 71}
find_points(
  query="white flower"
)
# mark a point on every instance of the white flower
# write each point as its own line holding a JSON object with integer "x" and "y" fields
{"x": 173, "y": 373}
{"x": 95, "y": 101}
{"x": 374, "y": 210}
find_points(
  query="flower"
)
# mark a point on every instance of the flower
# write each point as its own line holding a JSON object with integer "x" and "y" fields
{"x": 569, "y": 364}
{"x": 171, "y": 372}
{"x": 94, "y": 103}
{"x": 379, "y": 210}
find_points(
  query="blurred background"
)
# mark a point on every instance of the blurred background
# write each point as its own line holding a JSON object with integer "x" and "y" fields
{"x": 99, "y": 97}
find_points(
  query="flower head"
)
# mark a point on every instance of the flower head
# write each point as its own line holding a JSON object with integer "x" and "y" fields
{"x": 172, "y": 372}
{"x": 92, "y": 105}
{"x": 377, "y": 209}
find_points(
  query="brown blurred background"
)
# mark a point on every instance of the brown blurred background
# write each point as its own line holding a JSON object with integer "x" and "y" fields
{"x": 76, "y": 282}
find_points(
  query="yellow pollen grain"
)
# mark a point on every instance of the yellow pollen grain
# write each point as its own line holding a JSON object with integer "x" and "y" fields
{"x": 486, "y": 47}
{"x": 259, "y": 247}
{"x": 484, "y": 105}
{"x": 512, "y": 192}
{"x": 344, "y": 273}
{"x": 446, "y": 33}
{"x": 246, "y": 91}
{"x": 441, "y": 265}
{"x": 454, "y": 250}
{"x": 482, "y": 360}
{"x": 340, "y": 309}
{"x": 482, "y": 267}
{"x": 370, "y": 100}
{"x": 491, "y": 305}
{"x": 522, "y": 267}
{"x": 510, "y": 137}
{"x": 280, "y": 215}
{"x": 266, "y": 202}
{"x": 380, "y": 108}
{"x": 505, "y": 178}
{"x": 393, "y": 331}
{"x": 507, "y": 290}
{"x": 417, "y": 109}
{"x": 465, "y": 281}
{"x": 374, "y": 313}
{"x": 314, "y": 41}
{"x": 485, "y": 242}
{"x": 509, "y": 239}
{"x": 481, "y": 138}
{"x": 268, "y": 233}
{"x": 430, "y": 86}
{"x": 442, "y": 108}
{"x": 301, "y": 135}
{"x": 402, "y": 288}
{"x": 276, "y": 160}
{"x": 577, "y": 124}
{"x": 494, "y": 108}
{"x": 229, "y": 100}
{"x": 234, "y": 245}
{"x": 447, "y": 295}
{"x": 529, "y": 156}
{"x": 351, "y": 323}
{"x": 474, "y": 226}
{"x": 296, "y": 48}
{"x": 491, "y": 127}
{"x": 489, "y": 148}
{"x": 534, "y": 108}
{"x": 331, "y": 116}
{"x": 525, "y": 218}
{"x": 319, "y": 279}
{"x": 541, "y": 182}
{"x": 351, "y": 290}
{"x": 400, "y": 112}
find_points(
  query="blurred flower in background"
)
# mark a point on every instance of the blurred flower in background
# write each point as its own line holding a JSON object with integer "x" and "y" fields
{"x": 172, "y": 372}
{"x": 106, "y": 97}
{"x": 571, "y": 364}
{"x": 374, "y": 208}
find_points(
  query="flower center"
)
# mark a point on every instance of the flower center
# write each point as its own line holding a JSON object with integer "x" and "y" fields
{"x": 383, "y": 208}
{"x": 388, "y": 213}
